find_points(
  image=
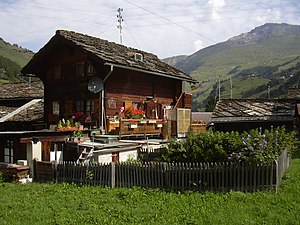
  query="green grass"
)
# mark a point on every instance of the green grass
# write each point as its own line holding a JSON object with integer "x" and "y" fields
{"x": 70, "y": 204}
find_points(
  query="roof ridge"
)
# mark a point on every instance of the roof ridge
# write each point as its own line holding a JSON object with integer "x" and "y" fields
{"x": 63, "y": 33}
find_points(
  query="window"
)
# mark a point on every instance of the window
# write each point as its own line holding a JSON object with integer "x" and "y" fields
{"x": 89, "y": 108}
{"x": 56, "y": 72}
{"x": 89, "y": 69}
{"x": 80, "y": 69}
{"x": 55, "y": 108}
{"x": 138, "y": 57}
{"x": 9, "y": 151}
{"x": 79, "y": 106}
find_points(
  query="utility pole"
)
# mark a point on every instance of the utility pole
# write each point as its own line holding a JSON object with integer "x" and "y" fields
{"x": 219, "y": 87}
{"x": 120, "y": 20}
{"x": 230, "y": 88}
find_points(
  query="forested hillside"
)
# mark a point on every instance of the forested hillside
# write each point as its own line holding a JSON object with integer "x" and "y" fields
{"x": 12, "y": 59}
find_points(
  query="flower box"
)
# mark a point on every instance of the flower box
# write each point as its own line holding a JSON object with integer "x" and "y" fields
{"x": 67, "y": 129}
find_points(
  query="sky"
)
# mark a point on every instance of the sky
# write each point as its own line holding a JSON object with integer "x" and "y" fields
{"x": 163, "y": 27}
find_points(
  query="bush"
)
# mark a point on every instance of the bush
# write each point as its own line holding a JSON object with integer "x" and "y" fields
{"x": 254, "y": 146}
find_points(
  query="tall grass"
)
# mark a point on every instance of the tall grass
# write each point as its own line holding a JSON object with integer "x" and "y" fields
{"x": 70, "y": 204}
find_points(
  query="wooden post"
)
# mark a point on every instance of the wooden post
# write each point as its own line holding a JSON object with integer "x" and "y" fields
{"x": 113, "y": 174}
{"x": 55, "y": 162}
{"x": 34, "y": 169}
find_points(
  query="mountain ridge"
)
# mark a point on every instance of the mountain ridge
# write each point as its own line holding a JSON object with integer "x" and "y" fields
{"x": 250, "y": 60}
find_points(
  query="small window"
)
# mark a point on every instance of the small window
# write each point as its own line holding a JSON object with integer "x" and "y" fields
{"x": 138, "y": 57}
{"x": 56, "y": 72}
{"x": 79, "y": 69}
{"x": 9, "y": 152}
{"x": 89, "y": 69}
{"x": 90, "y": 107}
{"x": 55, "y": 108}
{"x": 79, "y": 106}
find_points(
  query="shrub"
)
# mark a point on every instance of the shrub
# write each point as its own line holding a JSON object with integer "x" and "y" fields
{"x": 253, "y": 146}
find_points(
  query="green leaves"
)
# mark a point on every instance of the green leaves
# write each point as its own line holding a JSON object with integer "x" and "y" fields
{"x": 254, "y": 147}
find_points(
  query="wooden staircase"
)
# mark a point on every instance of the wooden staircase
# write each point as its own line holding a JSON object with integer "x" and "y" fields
{"x": 85, "y": 156}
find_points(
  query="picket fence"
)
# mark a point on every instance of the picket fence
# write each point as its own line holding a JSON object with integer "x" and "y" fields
{"x": 176, "y": 176}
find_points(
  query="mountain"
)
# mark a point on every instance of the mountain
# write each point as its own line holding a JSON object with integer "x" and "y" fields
{"x": 12, "y": 59}
{"x": 262, "y": 63}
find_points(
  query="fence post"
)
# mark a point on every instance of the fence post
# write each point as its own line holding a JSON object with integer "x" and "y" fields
{"x": 34, "y": 169}
{"x": 277, "y": 182}
{"x": 113, "y": 174}
{"x": 165, "y": 174}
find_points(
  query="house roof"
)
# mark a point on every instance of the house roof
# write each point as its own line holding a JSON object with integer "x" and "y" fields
{"x": 294, "y": 93}
{"x": 4, "y": 110}
{"x": 31, "y": 111}
{"x": 114, "y": 54}
{"x": 239, "y": 110}
{"x": 22, "y": 90}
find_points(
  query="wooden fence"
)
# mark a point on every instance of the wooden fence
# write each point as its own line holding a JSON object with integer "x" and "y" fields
{"x": 177, "y": 176}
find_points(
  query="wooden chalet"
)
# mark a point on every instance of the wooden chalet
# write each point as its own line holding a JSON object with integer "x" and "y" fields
{"x": 245, "y": 114}
{"x": 90, "y": 76}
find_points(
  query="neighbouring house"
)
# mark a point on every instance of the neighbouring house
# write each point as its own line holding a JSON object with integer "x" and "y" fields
{"x": 294, "y": 93}
{"x": 22, "y": 133}
{"x": 245, "y": 114}
{"x": 99, "y": 81}
{"x": 21, "y": 106}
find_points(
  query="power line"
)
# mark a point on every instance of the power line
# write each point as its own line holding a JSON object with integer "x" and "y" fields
{"x": 170, "y": 21}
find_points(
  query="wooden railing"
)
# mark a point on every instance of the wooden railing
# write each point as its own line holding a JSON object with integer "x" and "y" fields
{"x": 177, "y": 176}
{"x": 140, "y": 127}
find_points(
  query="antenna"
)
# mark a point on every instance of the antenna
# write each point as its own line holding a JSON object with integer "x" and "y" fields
{"x": 95, "y": 85}
{"x": 120, "y": 20}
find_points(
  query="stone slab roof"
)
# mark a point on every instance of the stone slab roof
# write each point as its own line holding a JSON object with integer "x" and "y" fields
{"x": 294, "y": 93}
{"x": 4, "y": 110}
{"x": 238, "y": 110}
{"x": 22, "y": 90}
{"x": 31, "y": 111}
{"x": 111, "y": 53}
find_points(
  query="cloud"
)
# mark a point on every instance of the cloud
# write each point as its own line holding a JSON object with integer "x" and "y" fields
{"x": 216, "y": 3}
{"x": 165, "y": 28}
{"x": 198, "y": 45}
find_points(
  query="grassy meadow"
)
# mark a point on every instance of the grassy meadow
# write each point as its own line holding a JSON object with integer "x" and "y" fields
{"x": 69, "y": 204}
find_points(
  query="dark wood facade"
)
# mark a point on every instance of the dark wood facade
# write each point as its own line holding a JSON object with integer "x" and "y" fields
{"x": 70, "y": 60}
